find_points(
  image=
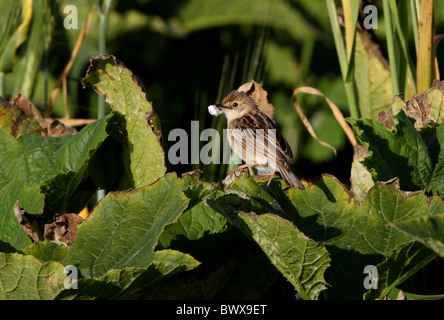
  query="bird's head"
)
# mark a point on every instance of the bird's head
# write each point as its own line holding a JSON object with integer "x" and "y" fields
{"x": 236, "y": 104}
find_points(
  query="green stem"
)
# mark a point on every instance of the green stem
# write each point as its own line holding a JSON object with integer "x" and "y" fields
{"x": 342, "y": 56}
{"x": 104, "y": 8}
{"x": 2, "y": 84}
{"x": 391, "y": 48}
{"x": 414, "y": 17}
{"x": 405, "y": 62}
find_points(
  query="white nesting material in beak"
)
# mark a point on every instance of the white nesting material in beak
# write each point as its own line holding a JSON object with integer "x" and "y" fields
{"x": 213, "y": 110}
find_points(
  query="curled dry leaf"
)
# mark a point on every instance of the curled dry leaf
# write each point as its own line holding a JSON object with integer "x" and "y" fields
{"x": 28, "y": 223}
{"x": 195, "y": 172}
{"x": 57, "y": 129}
{"x": 336, "y": 113}
{"x": 63, "y": 229}
{"x": 21, "y": 115}
{"x": 255, "y": 90}
{"x": 17, "y": 117}
{"x": 427, "y": 108}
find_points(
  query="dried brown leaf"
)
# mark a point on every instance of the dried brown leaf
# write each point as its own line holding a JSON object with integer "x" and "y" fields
{"x": 255, "y": 90}
{"x": 427, "y": 108}
{"x": 22, "y": 116}
{"x": 63, "y": 229}
{"x": 28, "y": 223}
{"x": 57, "y": 129}
{"x": 336, "y": 113}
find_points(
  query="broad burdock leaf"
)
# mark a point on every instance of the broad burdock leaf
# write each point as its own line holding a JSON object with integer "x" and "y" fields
{"x": 124, "y": 227}
{"x": 355, "y": 233}
{"x": 400, "y": 264}
{"x": 406, "y": 142}
{"x": 144, "y": 157}
{"x": 301, "y": 260}
{"x": 24, "y": 277}
{"x": 46, "y": 251}
{"x": 372, "y": 73}
{"x": 30, "y": 198}
{"x": 436, "y": 184}
{"x": 427, "y": 229}
{"x": 398, "y": 153}
{"x": 128, "y": 281}
{"x": 53, "y": 166}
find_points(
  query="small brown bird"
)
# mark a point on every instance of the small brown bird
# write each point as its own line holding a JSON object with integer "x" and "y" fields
{"x": 253, "y": 136}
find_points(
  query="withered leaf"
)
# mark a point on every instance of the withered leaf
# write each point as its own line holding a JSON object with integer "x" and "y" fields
{"x": 28, "y": 222}
{"x": 22, "y": 116}
{"x": 427, "y": 108}
{"x": 255, "y": 90}
{"x": 57, "y": 129}
{"x": 63, "y": 229}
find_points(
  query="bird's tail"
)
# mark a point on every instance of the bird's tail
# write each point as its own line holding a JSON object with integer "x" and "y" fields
{"x": 289, "y": 176}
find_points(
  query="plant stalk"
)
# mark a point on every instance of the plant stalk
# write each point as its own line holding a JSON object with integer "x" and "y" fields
{"x": 425, "y": 53}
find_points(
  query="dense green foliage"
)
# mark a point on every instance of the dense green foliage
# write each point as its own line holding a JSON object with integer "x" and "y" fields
{"x": 162, "y": 234}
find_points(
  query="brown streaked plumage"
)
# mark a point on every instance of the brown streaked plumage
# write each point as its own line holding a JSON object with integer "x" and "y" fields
{"x": 253, "y": 136}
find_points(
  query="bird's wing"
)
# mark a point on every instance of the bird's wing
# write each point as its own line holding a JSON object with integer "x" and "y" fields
{"x": 260, "y": 133}
{"x": 281, "y": 144}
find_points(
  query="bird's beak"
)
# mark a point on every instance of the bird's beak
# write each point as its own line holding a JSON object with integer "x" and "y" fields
{"x": 220, "y": 105}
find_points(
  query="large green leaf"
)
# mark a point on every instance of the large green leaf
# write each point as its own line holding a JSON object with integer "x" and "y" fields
{"x": 24, "y": 277}
{"x": 372, "y": 76}
{"x": 193, "y": 224}
{"x": 54, "y": 164}
{"x": 30, "y": 199}
{"x": 355, "y": 233}
{"x": 405, "y": 142}
{"x": 42, "y": 173}
{"x": 426, "y": 229}
{"x": 128, "y": 281}
{"x": 398, "y": 153}
{"x": 124, "y": 227}
{"x": 144, "y": 158}
{"x": 301, "y": 260}
{"x": 198, "y": 220}
{"x": 46, "y": 251}
{"x": 400, "y": 264}
{"x": 436, "y": 183}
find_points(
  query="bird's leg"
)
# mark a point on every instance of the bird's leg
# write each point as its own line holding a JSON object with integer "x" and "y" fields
{"x": 245, "y": 165}
{"x": 269, "y": 180}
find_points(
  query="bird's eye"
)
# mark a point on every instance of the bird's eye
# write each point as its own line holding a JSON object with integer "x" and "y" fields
{"x": 235, "y": 104}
